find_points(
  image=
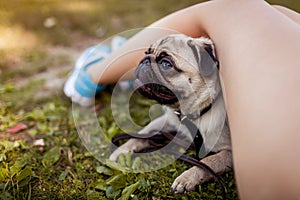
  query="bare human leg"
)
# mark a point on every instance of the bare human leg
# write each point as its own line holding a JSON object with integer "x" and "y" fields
{"x": 258, "y": 48}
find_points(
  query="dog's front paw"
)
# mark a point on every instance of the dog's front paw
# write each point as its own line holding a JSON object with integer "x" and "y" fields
{"x": 132, "y": 145}
{"x": 114, "y": 156}
{"x": 188, "y": 180}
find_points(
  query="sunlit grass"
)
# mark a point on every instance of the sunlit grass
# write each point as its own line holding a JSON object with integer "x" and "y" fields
{"x": 81, "y": 6}
{"x": 16, "y": 37}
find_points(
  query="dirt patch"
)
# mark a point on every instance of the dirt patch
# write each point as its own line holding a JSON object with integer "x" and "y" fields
{"x": 15, "y": 136}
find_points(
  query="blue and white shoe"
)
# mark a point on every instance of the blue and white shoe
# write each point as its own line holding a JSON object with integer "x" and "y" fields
{"x": 79, "y": 86}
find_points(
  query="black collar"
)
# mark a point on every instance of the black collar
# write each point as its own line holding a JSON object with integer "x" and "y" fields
{"x": 191, "y": 116}
{"x": 194, "y": 131}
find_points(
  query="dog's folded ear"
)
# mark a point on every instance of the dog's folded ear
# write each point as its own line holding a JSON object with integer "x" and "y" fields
{"x": 203, "y": 50}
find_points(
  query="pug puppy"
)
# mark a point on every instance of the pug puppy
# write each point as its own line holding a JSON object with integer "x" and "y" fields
{"x": 182, "y": 73}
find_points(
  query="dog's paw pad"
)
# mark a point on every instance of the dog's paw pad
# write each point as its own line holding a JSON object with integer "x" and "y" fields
{"x": 187, "y": 181}
{"x": 183, "y": 185}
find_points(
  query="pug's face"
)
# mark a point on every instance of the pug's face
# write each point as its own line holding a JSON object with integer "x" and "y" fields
{"x": 176, "y": 68}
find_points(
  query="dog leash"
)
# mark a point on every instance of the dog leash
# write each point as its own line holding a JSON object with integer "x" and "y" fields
{"x": 159, "y": 139}
{"x": 193, "y": 129}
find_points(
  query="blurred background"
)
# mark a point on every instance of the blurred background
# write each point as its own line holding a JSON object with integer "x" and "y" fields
{"x": 37, "y": 35}
{"x": 41, "y": 156}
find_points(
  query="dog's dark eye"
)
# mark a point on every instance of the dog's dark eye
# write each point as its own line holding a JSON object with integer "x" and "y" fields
{"x": 165, "y": 64}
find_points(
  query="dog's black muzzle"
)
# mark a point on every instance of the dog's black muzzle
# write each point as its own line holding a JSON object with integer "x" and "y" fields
{"x": 148, "y": 84}
{"x": 144, "y": 71}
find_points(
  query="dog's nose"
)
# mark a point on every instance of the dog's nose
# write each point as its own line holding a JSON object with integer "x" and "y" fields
{"x": 144, "y": 64}
{"x": 145, "y": 67}
{"x": 146, "y": 61}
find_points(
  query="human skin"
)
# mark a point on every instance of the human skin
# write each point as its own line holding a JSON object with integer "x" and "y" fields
{"x": 258, "y": 47}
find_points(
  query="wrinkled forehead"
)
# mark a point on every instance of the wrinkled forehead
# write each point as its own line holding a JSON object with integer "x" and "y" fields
{"x": 172, "y": 44}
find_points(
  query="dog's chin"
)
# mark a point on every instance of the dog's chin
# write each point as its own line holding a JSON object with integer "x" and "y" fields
{"x": 160, "y": 93}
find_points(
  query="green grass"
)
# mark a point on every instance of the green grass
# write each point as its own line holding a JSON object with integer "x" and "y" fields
{"x": 85, "y": 17}
{"x": 27, "y": 38}
{"x": 62, "y": 168}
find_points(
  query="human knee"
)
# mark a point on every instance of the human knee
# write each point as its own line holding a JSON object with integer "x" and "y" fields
{"x": 279, "y": 7}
